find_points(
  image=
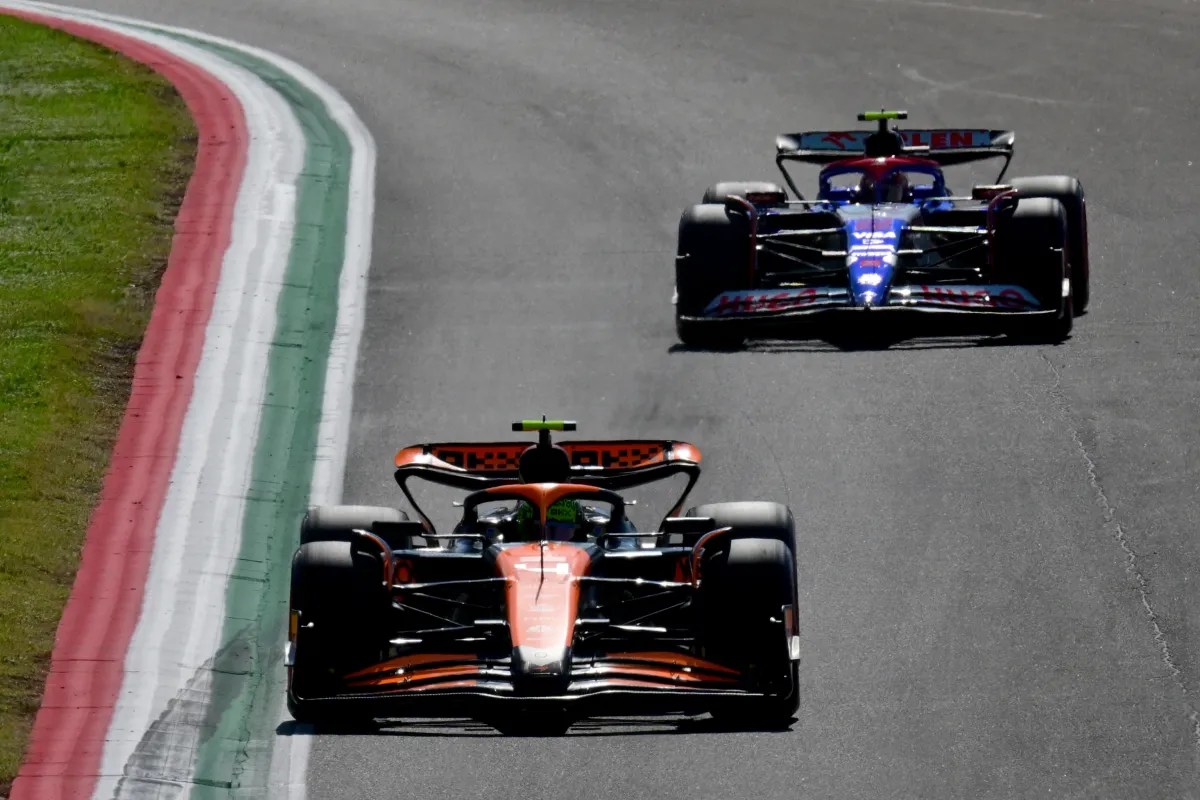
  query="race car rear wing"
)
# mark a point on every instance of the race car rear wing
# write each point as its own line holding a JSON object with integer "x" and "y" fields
{"x": 944, "y": 145}
{"x": 947, "y": 146}
{"x": 606, "y": 464}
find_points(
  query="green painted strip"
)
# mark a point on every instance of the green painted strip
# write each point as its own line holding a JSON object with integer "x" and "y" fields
{"x": 248, "y": 675}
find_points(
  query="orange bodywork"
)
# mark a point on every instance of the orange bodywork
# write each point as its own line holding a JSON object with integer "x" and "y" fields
{"x": 455, "y": 670}
{"x": 542, "y": 587}
{"x": 672, "y": 661}
{"x": 409, "y": 663}
{"x": 542, "y": 592}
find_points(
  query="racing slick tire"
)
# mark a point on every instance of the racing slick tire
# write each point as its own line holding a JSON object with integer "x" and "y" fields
{"x": 711, "y": 258}
{"x": 1031, "y": 252}
{"x": 751, "y": 518}
{"x": 1069, "y": 192}
{"x": 743, "y": 593}
{"x": 342, "y": 604}
{"x": 337, "y": 523}
{"x": 719, "y": 191}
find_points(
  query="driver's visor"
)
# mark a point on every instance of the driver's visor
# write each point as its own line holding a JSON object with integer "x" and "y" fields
{"x": 557, "y": 531}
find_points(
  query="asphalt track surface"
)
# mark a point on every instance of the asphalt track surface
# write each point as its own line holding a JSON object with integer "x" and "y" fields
{"x": 998, "y": 546}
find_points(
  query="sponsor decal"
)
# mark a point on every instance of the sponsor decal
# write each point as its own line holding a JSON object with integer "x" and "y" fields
{"x": 852, "y": 141}
{"x": 873, "y": 236}
{"x": 840, "y": 139}
{"x": 948, "y": 139}
{"x": 1007, "y": 298}
{"x": 768, "y": 300}
{"x": 873, "y": 249}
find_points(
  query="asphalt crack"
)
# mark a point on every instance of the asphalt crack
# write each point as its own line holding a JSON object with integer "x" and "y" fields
{"x": 1132, "y": 565}
{"x": 783, "y": 477}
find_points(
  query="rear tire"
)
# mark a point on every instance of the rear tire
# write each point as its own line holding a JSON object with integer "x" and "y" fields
{"x": 743, "y": 592}
{"x": 343, "y": 607}
{"x": 1031, "y": 252}
{"x": 1069, "y": 192}
{"x": 719, "y": 191}
{"x": 337, "y": 523}
{"x": 752, "y": 518}
{"x": 711, "y": 258}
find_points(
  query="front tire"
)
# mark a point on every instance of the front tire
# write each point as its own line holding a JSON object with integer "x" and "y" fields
{"x": 711, "y": 258}
{"x": 1031, "y": 252}
{"x": 743, "y": 592}
{"x": 1069, "y": 192}
{"x": 343, "y": 607}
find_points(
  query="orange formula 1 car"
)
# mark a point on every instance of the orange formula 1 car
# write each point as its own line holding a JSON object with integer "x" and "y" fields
{"x": 545, "y": 603}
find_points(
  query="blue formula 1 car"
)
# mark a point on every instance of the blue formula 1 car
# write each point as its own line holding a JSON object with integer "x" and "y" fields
{"x": 884, "y": 241}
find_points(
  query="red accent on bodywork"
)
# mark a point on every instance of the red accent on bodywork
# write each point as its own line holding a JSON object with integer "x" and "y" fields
{"x": 87, "y": 664}
{"x": 877, "y": 168}
{"x": 839, "y": 140}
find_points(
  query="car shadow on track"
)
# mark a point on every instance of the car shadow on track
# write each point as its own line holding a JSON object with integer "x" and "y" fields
{"x": 861, "y": 345}
{"x": 588, "y": 727}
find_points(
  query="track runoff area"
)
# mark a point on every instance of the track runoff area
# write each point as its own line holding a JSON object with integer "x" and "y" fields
{"x": 167, "y": 677}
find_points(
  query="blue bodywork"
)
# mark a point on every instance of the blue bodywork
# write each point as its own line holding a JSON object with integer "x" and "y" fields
{"x": 883, "y": 244}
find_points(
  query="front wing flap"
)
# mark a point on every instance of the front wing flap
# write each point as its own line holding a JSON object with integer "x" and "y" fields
{"x": 752, "y": 304}
{"x": 430, "y": 684}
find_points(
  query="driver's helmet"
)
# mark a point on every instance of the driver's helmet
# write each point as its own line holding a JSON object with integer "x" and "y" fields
{"x": 895, "y": 188}
{"x": 865, "y": 192}
{"x": 564, "y": 519}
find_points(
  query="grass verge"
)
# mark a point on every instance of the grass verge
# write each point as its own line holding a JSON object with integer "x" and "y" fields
{"x": 95, "y": 152}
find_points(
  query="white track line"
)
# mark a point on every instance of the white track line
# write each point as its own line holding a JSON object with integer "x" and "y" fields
{"x": 200, "y": 530}
{"x": 290, "y": 753}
